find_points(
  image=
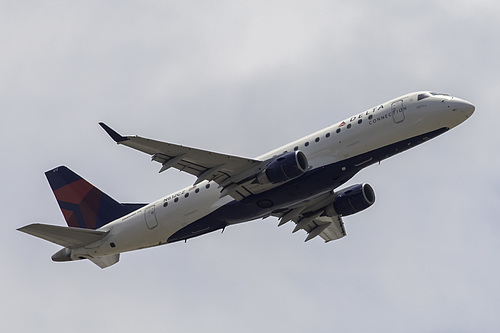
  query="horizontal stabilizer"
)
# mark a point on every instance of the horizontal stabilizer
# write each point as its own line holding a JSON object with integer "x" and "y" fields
{"x": 64, "y": 236}
{"x": 106, "y": 261}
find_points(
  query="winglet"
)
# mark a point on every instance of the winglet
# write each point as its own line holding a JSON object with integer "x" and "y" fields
{"x": 112, "y": 133}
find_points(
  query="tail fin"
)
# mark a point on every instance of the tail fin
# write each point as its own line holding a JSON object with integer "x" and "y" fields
{"x": 82, "y": 204}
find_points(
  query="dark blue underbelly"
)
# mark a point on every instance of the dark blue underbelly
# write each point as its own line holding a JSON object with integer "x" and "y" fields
{"x": 317, "y": 181}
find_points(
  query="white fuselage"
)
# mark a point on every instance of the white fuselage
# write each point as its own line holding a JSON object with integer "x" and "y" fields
{"x": 395, "y": 121}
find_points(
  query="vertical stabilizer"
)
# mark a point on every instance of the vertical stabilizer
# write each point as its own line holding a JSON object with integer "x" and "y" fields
{"x": 82, "y": 204}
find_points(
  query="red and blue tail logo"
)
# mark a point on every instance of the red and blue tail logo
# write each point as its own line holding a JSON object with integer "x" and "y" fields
{"x": 82, "y": 204}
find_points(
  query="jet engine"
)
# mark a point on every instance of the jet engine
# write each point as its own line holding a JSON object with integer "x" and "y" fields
{"x": 283, "y": 168}
{"x": 353, "y": 199}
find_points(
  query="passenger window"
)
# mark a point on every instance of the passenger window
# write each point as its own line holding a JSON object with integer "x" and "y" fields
{"x": 317, "y": 140}
{"x": 338, "y": 130}
{"x": 327, "y": 135}
{"x": 306, "y": 144}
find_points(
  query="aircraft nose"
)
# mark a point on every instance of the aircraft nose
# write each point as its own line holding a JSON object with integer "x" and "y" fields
{"x": 464, "y": 107}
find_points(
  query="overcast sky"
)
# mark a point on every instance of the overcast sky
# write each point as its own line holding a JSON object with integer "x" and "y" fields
{"x": 243, "y": 78}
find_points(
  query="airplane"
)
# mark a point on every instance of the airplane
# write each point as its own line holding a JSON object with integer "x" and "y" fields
{"x": 296, "y": 182}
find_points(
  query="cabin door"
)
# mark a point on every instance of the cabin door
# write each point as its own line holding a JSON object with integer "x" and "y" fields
{"x": 398, "y": 112}
{"x": 150, "y": 217}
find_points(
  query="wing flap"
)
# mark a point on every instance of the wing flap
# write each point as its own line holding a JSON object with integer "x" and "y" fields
{"x": 335, "y": 230}
{"x": 312, "y": 217}
{"x": 65, "y": 236}
{"x": 327, "y": 227}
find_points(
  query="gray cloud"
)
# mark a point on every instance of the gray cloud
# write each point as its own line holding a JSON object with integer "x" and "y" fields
{"x": 244, "y": 78}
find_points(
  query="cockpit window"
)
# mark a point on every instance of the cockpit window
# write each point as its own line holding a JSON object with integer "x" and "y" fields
{"x": 429, "y": 94}
{"x": 422, "y": 96}
{"x": 438, "y": 94}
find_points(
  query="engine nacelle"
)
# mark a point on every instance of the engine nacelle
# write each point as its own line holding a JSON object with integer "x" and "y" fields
{"x": 354, "y": 199}
{"x": 284, "y": 167}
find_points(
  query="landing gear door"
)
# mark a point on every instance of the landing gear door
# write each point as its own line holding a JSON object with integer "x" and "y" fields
{"x": 150, "y": 217}
{"x": 398, "y": 111}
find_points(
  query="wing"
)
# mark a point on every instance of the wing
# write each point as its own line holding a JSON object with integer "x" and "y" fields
{"x": 316, "y": 217}
{"x": 233, "y": 173}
